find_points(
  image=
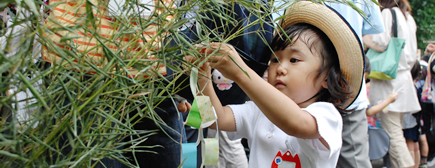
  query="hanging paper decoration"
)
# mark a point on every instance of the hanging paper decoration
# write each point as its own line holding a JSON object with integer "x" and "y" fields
{"x": 201, "y": 115}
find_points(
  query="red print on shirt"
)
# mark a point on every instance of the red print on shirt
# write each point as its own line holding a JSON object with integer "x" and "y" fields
{"x": 287, "y": 160}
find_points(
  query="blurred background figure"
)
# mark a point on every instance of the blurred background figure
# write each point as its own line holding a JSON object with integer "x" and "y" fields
{"x": 407, "y": 101}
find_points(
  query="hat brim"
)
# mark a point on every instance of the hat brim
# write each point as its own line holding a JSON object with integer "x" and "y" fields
{"x": 344, "y": 39}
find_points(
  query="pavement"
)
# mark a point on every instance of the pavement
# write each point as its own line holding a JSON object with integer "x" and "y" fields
{"x": 379, "y": 163}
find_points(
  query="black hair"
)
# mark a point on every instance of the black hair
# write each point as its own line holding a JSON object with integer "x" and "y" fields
{"x": 338, "y": 91}
{"x": 418, "y": 72}
{"x": 426, "y": 57}
{"x": 367, "y": 66}
{"x": 423, "y": 73}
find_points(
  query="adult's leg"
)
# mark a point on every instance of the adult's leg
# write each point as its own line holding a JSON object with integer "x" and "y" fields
{"x": 399, "y": 154}
{"x": 355, "y": 150}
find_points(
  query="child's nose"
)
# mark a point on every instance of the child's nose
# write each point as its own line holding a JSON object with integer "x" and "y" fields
{"x": 281, "y": 70}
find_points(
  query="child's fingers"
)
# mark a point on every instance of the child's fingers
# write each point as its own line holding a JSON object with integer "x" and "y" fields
{"x": 217, "y": 61}
{"x": 194, "y": 61}
{"x": 212, "y": 47}
{"x": 221, "y": 53}
{"x": 393, "y": 97}
{"x": 189, "y": 58}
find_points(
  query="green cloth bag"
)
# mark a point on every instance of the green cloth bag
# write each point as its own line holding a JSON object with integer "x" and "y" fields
{"x": 384, "y": 64}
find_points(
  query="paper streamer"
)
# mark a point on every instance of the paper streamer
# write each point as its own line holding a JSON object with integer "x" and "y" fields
{"x": 210, "y": 151}
{"x": 193, "y": 81}
{"x": 189, "y": 155}
{"x": 208, "y": 115}
{"x": 201, "y": 115}
{"x": 194, "y": 117}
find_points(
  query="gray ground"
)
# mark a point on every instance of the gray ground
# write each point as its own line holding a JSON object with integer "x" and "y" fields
{"x": 379, "y": 163}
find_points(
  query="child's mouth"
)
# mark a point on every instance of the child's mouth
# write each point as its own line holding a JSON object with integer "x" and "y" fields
{"x": 279, "y": 83}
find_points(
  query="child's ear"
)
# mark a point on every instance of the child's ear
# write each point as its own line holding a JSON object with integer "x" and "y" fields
{"x": 325, "y": 84}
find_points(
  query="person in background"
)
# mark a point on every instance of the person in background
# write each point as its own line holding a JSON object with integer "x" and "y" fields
{"x": 12, "y": 39}
{"x": 354, "y": 152}
{"x": 430, "y": 48}
{"x": 407, "y": 101}
{"x": 411, "y": 122}
{"x": 427, "y": 109}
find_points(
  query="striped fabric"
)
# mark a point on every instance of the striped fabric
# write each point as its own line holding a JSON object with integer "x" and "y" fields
{"x": 92, "y": 45}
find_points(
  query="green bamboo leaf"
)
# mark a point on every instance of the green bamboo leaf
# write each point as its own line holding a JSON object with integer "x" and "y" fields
{"x": 31, "y": 4}
{"x": 376, "y": 2}
{"x": 351, "y": 4}
{"x": 89, "y": 14}
{"x": 33, "y": 90}
{"x": 7, "y": 64}
{"x": 67, "y": 38}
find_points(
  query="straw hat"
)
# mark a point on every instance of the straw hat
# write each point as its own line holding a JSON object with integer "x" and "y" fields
{"x": 345, "y": 40}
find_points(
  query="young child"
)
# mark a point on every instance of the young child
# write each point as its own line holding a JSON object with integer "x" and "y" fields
{"x": 416, "y": 136}
{"x": 372, "y": 110}
{"x": 293, "y": 119}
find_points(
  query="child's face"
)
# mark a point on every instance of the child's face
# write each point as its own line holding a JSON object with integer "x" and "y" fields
{"x": 295, "y": 73}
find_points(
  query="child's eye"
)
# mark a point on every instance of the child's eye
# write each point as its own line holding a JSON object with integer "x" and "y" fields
{"x": 274, "y": 60}
{"x": 294, "y": 60}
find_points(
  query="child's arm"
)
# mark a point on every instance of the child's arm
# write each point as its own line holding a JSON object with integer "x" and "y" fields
{"x": 277, "y": 107}
{"x": 378, "y": 108}
{"x": 226, "y": 121}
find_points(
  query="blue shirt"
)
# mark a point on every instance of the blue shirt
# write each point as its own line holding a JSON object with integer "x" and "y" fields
{"x": 361, "y": 27}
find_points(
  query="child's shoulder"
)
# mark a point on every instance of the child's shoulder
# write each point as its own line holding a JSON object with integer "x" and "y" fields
{"x": 324, "y": 105}
{"x": 323, "y": 110}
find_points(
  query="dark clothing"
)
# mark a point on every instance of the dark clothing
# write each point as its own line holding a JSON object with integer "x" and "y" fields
{"x": 167, "y": 153}
{"x": 253, "y": 47}
{"x": 427, "y": 110}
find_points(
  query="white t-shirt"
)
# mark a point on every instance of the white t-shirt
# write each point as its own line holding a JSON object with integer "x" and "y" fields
{"x": 271, "y": 147}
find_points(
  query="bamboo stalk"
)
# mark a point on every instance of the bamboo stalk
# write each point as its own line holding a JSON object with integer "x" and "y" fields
{"x": 4, "y": 13}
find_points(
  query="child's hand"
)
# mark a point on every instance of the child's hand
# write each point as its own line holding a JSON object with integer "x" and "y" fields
{"x": 204, "y": 69}
{"x": 223, "y": 60}
{"x": 392, "y": 97}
